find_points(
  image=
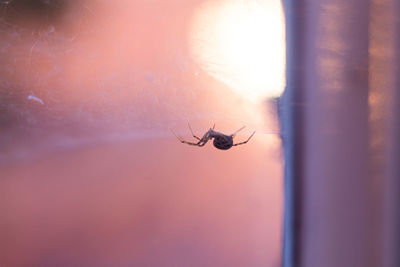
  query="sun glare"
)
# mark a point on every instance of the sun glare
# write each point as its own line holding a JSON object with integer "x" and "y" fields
{"x": 242, "y": 44}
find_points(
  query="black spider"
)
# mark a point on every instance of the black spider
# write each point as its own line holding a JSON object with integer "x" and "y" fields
{"x": 221, "y": 141}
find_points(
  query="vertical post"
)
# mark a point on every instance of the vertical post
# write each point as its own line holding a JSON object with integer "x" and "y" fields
{"x": 291, "y": 112}
{"x": 338, "y": 191}
{"x": 330, "y": 203}
{"x": 391, "y": 225}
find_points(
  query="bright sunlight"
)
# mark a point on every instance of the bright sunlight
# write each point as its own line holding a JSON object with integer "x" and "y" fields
{"x": 242, "y": 44}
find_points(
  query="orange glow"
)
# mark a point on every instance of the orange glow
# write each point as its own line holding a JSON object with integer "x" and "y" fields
{"x": 243, "y": 45}
{"x": 91, "y": 174}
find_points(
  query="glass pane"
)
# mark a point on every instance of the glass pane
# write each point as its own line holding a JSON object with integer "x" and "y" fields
{"x": 91, "y": 92}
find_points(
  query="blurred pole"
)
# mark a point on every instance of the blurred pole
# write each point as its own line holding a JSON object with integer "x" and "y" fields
{"x": 391, "y": 246}
{"x": 337, "y": 209}
{"x": 384, "y": 122}
{"x": 341, "y": 133}
{"x": 291, "y": 112}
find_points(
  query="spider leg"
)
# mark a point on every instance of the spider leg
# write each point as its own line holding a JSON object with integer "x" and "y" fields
{"x": 200, "y": 143}
{"x": 246, "y": 140}
{"x": 193, "y": 133}
{"x": 238, "y": 131}
{"x": 213, "y": 126}
{"x": 178, "y": 137}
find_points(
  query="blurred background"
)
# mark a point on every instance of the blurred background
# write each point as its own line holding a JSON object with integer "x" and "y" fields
{"x": 90, "y": 173}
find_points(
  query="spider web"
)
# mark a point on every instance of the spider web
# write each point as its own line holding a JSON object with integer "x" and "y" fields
{"x": 74, "y": 71}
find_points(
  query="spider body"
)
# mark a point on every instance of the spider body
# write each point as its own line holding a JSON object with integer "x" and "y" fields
{"x": 220, "y": 141}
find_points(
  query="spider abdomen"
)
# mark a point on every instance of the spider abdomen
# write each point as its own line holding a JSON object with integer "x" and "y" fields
{"x": 223, "y": 142}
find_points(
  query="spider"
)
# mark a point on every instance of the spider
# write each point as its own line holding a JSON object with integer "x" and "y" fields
{"x": 221, "y": 141}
